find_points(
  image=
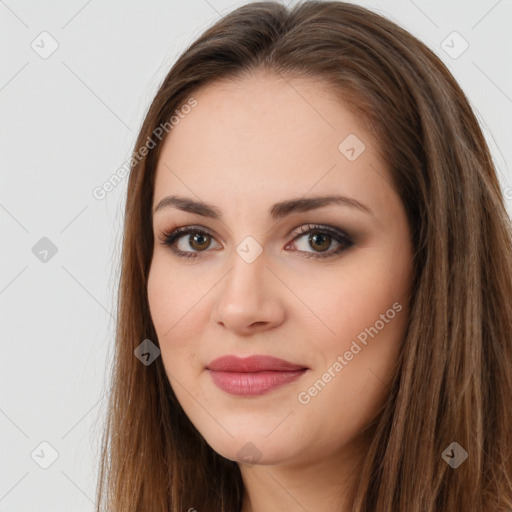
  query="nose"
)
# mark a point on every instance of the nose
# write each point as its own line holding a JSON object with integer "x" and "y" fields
{"x": 250, "y": 298}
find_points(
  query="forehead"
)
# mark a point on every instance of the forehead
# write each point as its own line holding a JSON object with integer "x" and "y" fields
{"x": 266, "y": 135}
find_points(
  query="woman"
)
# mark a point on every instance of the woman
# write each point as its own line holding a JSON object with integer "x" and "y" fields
{"x": 315, "y": 300}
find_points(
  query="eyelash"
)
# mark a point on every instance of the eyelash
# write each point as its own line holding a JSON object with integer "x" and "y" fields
{"x": 169, "y": 239}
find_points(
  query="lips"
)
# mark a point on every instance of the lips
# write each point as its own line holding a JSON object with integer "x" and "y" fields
{"x": 253, "y": 375}
{"x": 252, "y": 364}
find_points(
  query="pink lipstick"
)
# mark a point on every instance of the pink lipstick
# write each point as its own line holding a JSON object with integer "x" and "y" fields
{"x": 254, "y": 375}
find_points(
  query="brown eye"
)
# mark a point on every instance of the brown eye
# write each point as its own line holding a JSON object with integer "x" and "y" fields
{"x": 196, "y": 242}
{"x": 321, "y": 241}
{"x": 199, "y": 241}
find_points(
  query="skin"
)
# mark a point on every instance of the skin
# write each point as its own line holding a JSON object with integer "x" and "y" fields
{"x": 245, "y": 146}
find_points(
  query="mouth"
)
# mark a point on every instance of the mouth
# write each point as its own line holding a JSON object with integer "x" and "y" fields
{"x": 253, "y": 376}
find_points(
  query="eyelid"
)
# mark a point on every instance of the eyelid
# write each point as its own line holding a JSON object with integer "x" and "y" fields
{"x": 169, "y": 237}
{"x": 179, "y": 231}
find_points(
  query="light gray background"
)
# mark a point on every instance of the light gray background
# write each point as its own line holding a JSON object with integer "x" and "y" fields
{"x": 68, "y": 122}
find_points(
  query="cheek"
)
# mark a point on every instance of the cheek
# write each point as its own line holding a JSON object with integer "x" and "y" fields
{"x": 351, "y": 382}
{"x": 177, "y": 316}
{"x": 362, "y": 297}
{"x": 368, "y": 309}
{"x": 171, "y": 297}
{"x": 161, "y": 290}
{"x": 164, "y": 306}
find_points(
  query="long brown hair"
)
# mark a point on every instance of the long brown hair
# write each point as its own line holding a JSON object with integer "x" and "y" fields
{"x": 454, "y": 382}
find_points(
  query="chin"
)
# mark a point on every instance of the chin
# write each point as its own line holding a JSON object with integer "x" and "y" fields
{"x": 248, "y": 448}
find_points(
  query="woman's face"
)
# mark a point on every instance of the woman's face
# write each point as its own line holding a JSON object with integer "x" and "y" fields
{"x": 324, "y": 286}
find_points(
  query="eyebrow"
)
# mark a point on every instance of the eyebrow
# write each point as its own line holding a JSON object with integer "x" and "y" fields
{"x": 277, "y": 211}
